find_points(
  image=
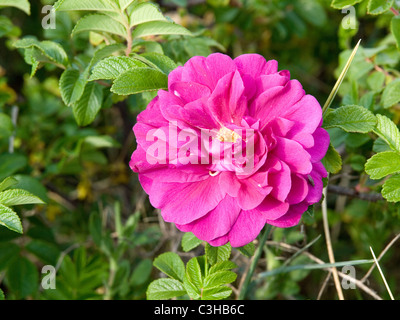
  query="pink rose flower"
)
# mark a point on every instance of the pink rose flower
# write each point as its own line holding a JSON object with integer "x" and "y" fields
{"x": 231, "y": 146}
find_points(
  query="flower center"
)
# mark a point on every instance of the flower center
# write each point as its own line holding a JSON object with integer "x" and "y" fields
{"x": 227, "y": 135}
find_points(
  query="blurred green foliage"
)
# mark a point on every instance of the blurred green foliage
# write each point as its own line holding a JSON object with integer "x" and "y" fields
{"x": 97, "y": 227}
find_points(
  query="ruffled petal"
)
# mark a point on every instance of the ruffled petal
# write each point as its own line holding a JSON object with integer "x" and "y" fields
{"x": 183, "y": 203}
{"x": 277, "y": 101}
{"x": 255, "y": 65}
{"x": 291, "y": 218}
{"x": 207, "y": 71}
{"x": 246, "y": 228}
{"x": 251, "y": 194}
{"x": 273, "y": 209}
{"x": 222, "y": 218}
{"x": 322, "y": 139}
{"x": 294, "y": 155}
{"x": 281, "y": 182}
{"x": 228, "y": 102}
{"x": 299, "y": 189}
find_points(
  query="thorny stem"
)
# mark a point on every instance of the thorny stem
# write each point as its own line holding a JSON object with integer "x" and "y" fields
{"x": 395, "y": 12}
{"x": 254, "y": 261}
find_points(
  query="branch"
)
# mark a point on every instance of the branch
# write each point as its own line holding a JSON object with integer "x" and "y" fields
{"x": 373, "y": 196}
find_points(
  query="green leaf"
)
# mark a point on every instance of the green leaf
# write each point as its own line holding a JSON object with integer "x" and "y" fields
{"x": 99, "y": 22}
{"x": 350, "y": 119}
{"x": 391, "y": 189}
{"x": 332, "y": 160}
{"x": 45, "y": 251}
{"x": 23, "y": 5}
{"x": 11, "y": 163}
{"x": 391, "y": 94}
{"x": 379, "y": 6}
{"x": 190, "y": 241}
{"x": 112, "y": 67}
{"x": 219, "y": 278}
{"x": 395, "y": 27}
{"x": 53, "y": 51}
{"x": 387, "y": 130}
{"x": 193, "y": 273}
{"x": 159, "y": 28}
{"x": 101, "y": 141}
{"x": 14, "y": 197}
{"x": 383, "y": 164}
{"x": 222, "y": 266}
{"x": 35, "y": 58}
{"x": 141, "y": 273}
{"x": 8, "y": 182}
{"x": 10, "y": 219}
{"x": 23, "y": 278}
{"x": 72, "y": 84}
{"x": 376, "y": 80}
{"x": 87, "y": 107}
{"x": 162, "y": 289}
{"x": 218, "y": 254}
{"x": 217, "y": 293}
{"x": 380, "y": 145}
{"x": 31, "y": 185}
{"x": 247, "y": 250}
{"x": 105, "y": 52}
{"x": 139, "y": 80}
{"x": 311, "y": 11}
{"x": 171, "y": 264}
{"x": 6, "y": 26}
{"x": 6, "y": 126}
{"x": 160, "y": 61}
{"x": 8, "y": 252}
{"x": 340, "y": 4}
{"x": 83, "y": 5}
{"x": 2, "y": 297}
{"x": 123, "y": 4}
{"x": 145, "y": 12}
{"x": 193, "y": 291}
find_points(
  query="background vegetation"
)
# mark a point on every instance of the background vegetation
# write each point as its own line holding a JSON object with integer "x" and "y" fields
{"x": 66, "y": 140}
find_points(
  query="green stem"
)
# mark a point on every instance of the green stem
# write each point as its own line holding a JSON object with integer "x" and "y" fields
{"x": 254, "y": 262}
{"x": 111, "y": 278}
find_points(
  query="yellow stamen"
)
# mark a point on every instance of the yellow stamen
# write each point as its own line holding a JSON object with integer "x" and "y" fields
{"x": 227, "y": 135}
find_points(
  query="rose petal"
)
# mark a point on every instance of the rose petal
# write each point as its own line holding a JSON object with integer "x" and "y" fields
{"x": 251, "y": 194}
{"x": 291, "y": 218}
{"x": 246, "y": 228}
{"x": 322, "y": 140}
{"x": 228, "y": 102}
{"x": 294, "y": 155}
{"x": 183, "y": 203}
{"x": 299, "y": 189}
{"x": 255, "y": 65}
{"x": 222, "y": 218}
